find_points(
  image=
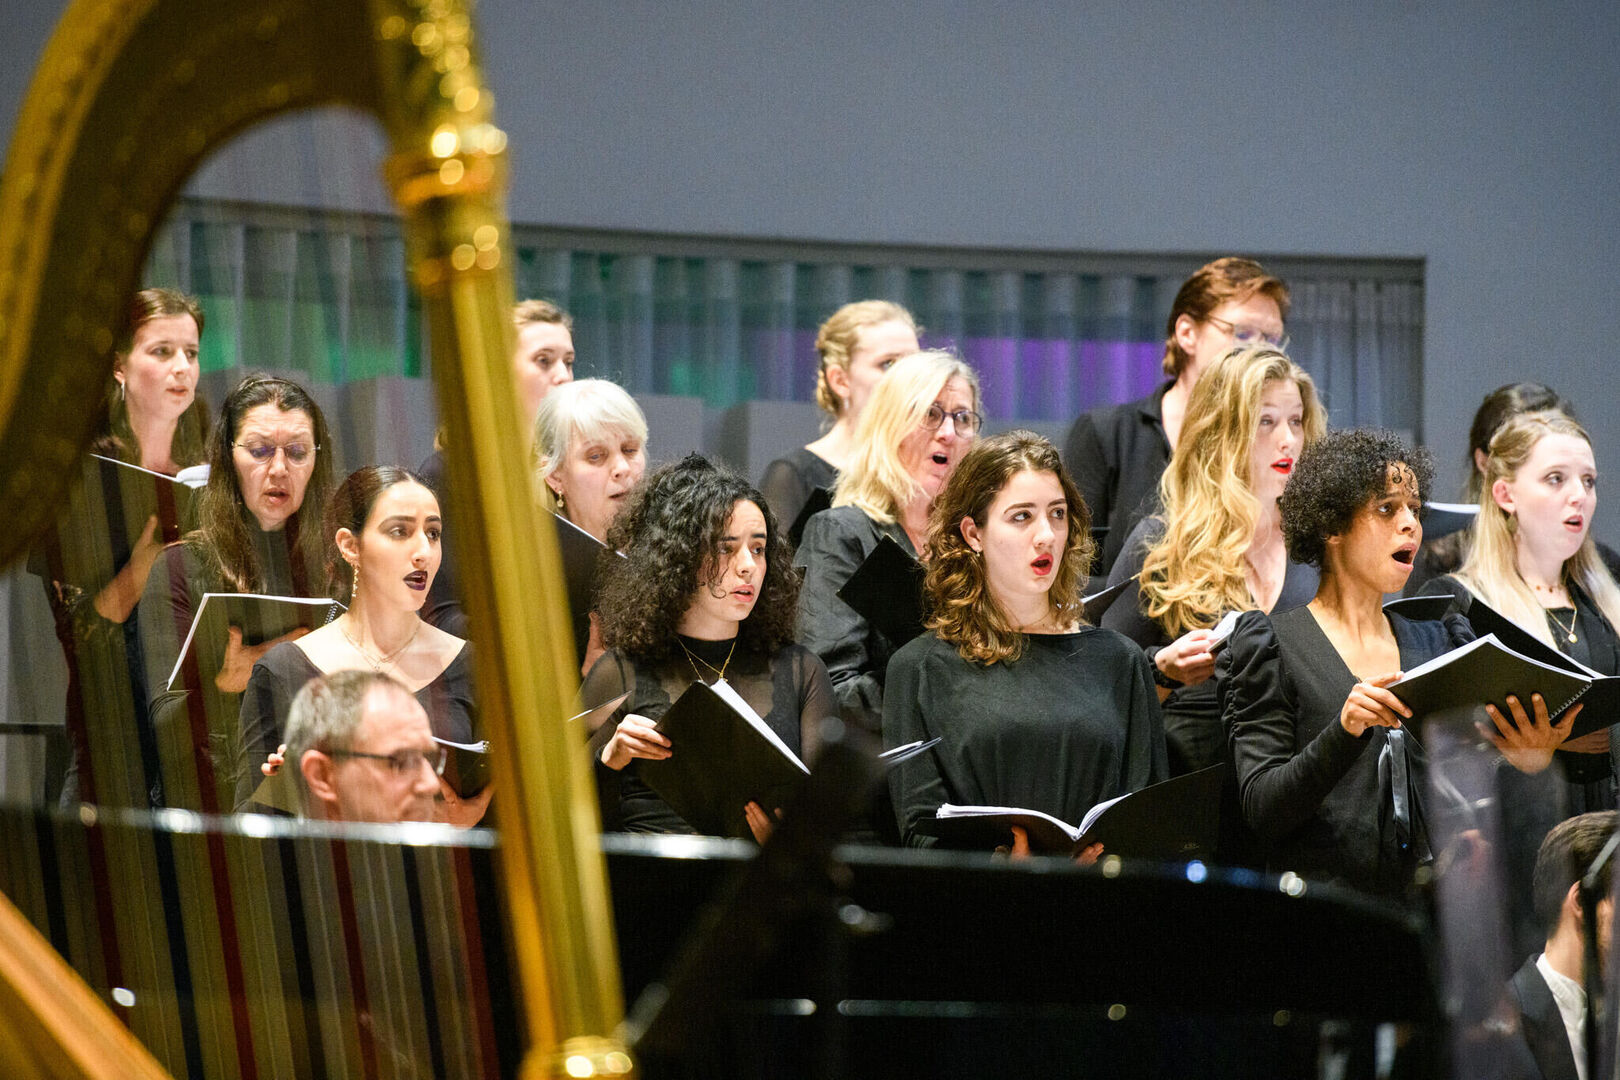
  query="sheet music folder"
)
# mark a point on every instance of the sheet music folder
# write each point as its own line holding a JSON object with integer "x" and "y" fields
{"x": 260, "y": 618}
{"x": 1485, "y": 672}
{"x": 887, "y": 591}
{"x": 820, "y": 499}
{"x": 1602, "y": 699}
{"x": 1171, "y": 821}
{"x": 580, "y": 551}
{"x": 722, "y": 759}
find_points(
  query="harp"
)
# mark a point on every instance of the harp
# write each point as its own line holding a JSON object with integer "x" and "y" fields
{"x": 102, "y": 146}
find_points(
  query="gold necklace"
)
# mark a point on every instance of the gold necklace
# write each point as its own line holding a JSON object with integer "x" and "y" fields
{"x": 1574, "y": 617}
{"x": 694, "y": 660}
{"x": 377, "y": 664}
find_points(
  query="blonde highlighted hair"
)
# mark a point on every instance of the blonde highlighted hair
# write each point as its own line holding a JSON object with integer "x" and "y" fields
{"x": 836, "y": 339}
{"x": 1195, "y": 573}
{"x": 1491, "y": 570}
{"x": 875, "y": 479}
{"x": 962, "y": 610}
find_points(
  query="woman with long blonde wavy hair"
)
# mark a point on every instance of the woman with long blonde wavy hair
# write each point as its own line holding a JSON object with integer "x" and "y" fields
{"x": 1533, "y": 559}
{"x": 1007, "y": 552}
{"x": 1215, "y": 545}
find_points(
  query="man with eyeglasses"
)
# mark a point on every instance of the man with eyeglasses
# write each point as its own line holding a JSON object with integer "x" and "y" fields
{"x": 361, "y": 749}
{"x": 1117, "y": 453}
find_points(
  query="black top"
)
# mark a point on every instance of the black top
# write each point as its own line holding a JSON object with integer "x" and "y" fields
{"x": 1085, "y": 727}
{"x": 283, "y": 671}
{"x": 114, "y": 758}
{"x": 836, "y": 543}
{"x": 789, "y": 480}
{"x": 789, "y": 691}
{"x": 1323, "y": 800}
{"x": 1116, "y": 455}
{"x": 1193, "y": 733}
{"x": 196, "y": 725}
{"x": 443, "y": 605}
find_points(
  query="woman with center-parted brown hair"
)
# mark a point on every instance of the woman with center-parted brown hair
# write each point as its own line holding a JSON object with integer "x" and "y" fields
{"x": 126, "y": 502}
{"x": 258, "y": 531}
{"x": 1034, "y": 708}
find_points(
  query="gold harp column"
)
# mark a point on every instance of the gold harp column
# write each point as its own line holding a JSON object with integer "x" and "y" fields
{"x": 130, "y": 97}
{"x": 448, "y": 175}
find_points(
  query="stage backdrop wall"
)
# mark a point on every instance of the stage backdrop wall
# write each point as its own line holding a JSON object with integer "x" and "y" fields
{"x": 1478, "y": 137}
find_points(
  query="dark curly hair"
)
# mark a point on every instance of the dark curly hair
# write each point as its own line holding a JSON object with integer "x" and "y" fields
{"x": 1336, "y": 476}
{"x": 671, "y": 528}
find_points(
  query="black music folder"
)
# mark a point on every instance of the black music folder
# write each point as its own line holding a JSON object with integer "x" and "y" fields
{"x": 723, "y": 757}
{"x": 887, "y": 591}
{"x": 1485, "y": 672}
{"x": 1170, "y": 821}
{"x": 1098, "y": 603}
{"x": 1423, "y": 608}
{"x": 1602, "y": 699}
{"x": 1443, "y": 519}
{"x": 176, "y": 495}
{"x": 820, "y": 499}
{"x": 580, "y": 554}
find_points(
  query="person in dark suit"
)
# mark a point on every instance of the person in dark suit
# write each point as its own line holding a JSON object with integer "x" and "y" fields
{"x": 1549, "y": 989}
{"x": 1117, "y": 453}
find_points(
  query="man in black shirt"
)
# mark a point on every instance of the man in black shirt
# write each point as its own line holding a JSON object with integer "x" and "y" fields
{"x": 1116, "y": 453}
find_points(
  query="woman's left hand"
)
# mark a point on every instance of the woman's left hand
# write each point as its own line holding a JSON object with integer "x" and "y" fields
{"x": 463, "y": 813}
{"x": 1528, "y": 743}
{"x": 760, "y": 823}
{"x": 272, "y": 764}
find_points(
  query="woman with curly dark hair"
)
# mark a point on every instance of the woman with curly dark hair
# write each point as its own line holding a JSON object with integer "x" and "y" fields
{"x": 705, "y": 592}
{"x": 1317, "y": 737}
{"x": 1008, "y": 547}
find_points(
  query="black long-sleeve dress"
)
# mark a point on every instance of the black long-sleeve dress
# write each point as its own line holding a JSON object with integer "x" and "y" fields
{"x": 1072, "y": 722}
{"x": 1328, "y": 804}
{"x": 1116, "y": 455}
{"x": 789, "y": 690}
{"x": 836, "y": 542}
{"x": 789, "y": 482}
{"x": 283, "y": 671}
{"x": 1193, "y": 733}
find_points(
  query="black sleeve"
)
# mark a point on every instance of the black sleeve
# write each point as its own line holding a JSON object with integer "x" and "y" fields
{"x": 609, "y": 677}
{"x": 1447, "y": 585}
{"x": 1090, "y": 469}
{"x": 1278, "y": 788}
{"x": 786, "y": 489}
{"x": 916, "y": 786}
{"x": 265, "y": 705}
{"x": 816, "y": 702}
{"x": 1125, "y": 615}
{"x": 830, "y": 554}
{"x": 1146, "y": 755}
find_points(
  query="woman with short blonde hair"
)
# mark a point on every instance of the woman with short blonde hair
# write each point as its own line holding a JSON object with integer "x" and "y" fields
{"x": 857, "y": 345}
{"x": 922, "y": 416}
{"x": 1215, "y": 545}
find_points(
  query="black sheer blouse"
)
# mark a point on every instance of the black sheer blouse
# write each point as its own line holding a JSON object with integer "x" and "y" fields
{"x": 789, "y": 691}
{"x": 1328, "y": 804}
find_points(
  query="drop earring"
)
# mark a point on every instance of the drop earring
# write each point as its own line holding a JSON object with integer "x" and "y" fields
{"x": 354, "y": 587}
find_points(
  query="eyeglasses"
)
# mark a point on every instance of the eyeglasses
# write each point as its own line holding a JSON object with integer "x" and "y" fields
{"x": 403, "y": 762}
{"x": 966, "y": 421}
{"x": 1251, "y": 335}
{"x": 297, "y": 453}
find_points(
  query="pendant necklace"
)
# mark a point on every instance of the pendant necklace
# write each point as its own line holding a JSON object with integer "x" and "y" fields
{"x": 378, "y": 663}
{"x": 694, "y": 660}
